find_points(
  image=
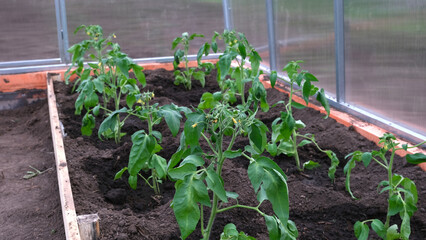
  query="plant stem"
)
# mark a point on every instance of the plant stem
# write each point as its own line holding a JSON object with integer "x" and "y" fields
{"x": 391, "y": 187}
{"x": 296, "y": 154}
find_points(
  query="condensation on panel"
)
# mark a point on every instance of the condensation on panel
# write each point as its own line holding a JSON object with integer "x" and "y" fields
{"x": 305, "y": 31}
{"x": 249, "y": 17}
{"x": 386, "y": 59}
{"x": 28, "y": 30}
{"x": 146, "y": 28}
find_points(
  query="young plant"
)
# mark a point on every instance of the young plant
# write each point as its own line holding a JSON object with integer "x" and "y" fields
{"x": 230, "y": 233}
{"x": 106, "y": 77}
{"x": 285, "y": 129}
{"x": 402, "y": 192}
{"x": 146, "y": 144}
{"x": 198, "y": 172}
{"x": 232, "y": 80}
{"x": 185, "y": 77}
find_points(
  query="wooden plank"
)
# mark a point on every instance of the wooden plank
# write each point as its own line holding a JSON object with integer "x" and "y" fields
{"x": 67, "y": 201}
{"x": 12, "y": 83}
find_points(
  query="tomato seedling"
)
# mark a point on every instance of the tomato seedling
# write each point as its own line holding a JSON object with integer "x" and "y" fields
{"x": 402, "y": 192}
{"x": 285, "y": 129}
{"x": 107, "y": 75}
{"x": 185, "y": 77}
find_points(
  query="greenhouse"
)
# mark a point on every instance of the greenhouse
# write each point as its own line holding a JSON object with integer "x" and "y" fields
{"x": 213, "y": 119}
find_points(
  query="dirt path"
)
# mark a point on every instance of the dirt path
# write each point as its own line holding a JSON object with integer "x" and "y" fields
{"x": 29, "y": 209}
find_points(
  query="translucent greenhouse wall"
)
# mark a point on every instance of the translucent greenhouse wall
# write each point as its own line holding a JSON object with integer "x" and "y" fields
{"x": 386, "y": 58}
{"x": 28, "y": 31}
{"x": 369, "y": 55}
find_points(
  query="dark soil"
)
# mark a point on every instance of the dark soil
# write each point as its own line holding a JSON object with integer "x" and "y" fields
{"x": 321, "y": 209}
{"x": 29, "y": 209}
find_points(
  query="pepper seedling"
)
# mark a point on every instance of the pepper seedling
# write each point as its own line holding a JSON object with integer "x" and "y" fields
{"x": 402, "y": 192}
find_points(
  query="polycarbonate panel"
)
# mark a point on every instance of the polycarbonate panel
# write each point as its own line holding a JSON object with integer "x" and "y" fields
{"x": 386, "y": 59}
{"x": 146, "y": 28}
{"x": 28, "y": 30}
{"x": 249, "y": 17}
{"x": 305, "y": 31}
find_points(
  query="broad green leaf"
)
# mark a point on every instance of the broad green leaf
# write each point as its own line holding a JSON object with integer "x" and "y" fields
{"x": 395, "y": 205}
{"x": 201, "y": 193}
{"x": 268, "y": 163}
{"x": 257, "y": 138}
{"x": 130, "y": 100}
{"x": 309, "y": 77}
{"x": 182, "y": 171}
{"x": 273, "y": 78}
{"x": 255, "y": 60}
{"x": 361, "y": 230}
{"x": 277, "y": 192}
{"x": 200, "y": 76}
{"x": 324, "y": 101}
{"x": 194, "y": 125}
{"x": 110, "y": 122}
{"x": 232, "y": 154}
{"x": 272, "y": 226}
{"x": 297, "y": 105}
{"x": 91, "y": 100}
{"x": 392, "y": 233}
{"x": 160, "y": 165}
{"x": 88, "y": 123}
{"x": 122, "y": 66}
{"x": 140, "y": 76}
{"x": 133, "y": 181}
{"x": 255, "y": 173}
{"x": 185, "y": 207}
{"x": 310, "y": 165}
{"x": 224, "y": 65}
{"x": 207, "y": 101}
{"x": 405, "y": 227}
{"x": 242, "y": 50}
{"x": 96, "y": 109}
{"x": 306, "y": 91}
{"x": 99, "y": 84}
{"x": 120, "y": 173}
{"x": 195, "y": 160}
{"x": 141, "y": 151}
{"x": 366, "y": 158}
{"x": 232, "y": 195}
{"x": 379, "y": 228}
{"x": 216, "y": 185}
{"x": 416, "y": 158}
{"x": 175, "y": 42}
{"x": 172, "y": 116}
{"x": 272, "y": 149}
{"x": 334, "y": 164}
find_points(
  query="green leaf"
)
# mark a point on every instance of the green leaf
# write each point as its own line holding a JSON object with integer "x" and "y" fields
{"x": 232, "y": 154}
{"x": 242, "y": 50}
{"x": 416, "y": 158}
{"x": 215, "y": 183}
{"x": 255, "y": 173}
{"x": 182, "y": 171}
{"x": 347, "y": 170}
{"x": 207, "y": 101}
{"x": 194, "y": 125}
{"x": 185, "y": 207}
{"x": 255, "y": 60}
{"x": 379, "y": 228}
{"x": 297, "y": 105}
{"x": 232, "y": 195}
{"x": 392, "y": 233}
{"x": 310, "y": 165}
{"x": 396, "y": 205}
{"x": 324, "y": 101}
{"x": 200, "y": 76}
{"x": 257, "y": 138}
{"x": 277, "y": 192}
{"x": 334, "y": 164}
{"x": 99, "y": 84}
{"x": 309, "y": 77}
{"x": 195, "y": 160}
{"x": 405, "y": 227}
{"x": 172, "y": 116}
{"x": 361, "y": 230}
{"x": 122, "y": 66}
{"x": 91, "y": 100}
{"x": 175, "y": 42}
{"x": 133, "y": 181}
{"x": 120, "y": 173}
{"x": 306, "y": 91}
{"x": 88, "y": 123}
{"x": 224, "y": 65}
{"x": 303, "y": 143}
{"x": 366, "y": 158}
{"x": 272, "y": 226}
{"x": 95, "y": 110}
{"x": 141, "y": 151}
{"x": 110, "y": 122}
{"x": 160, "y": 165}
{"x": 273, "y": 78}
{"x": 140, "y": 76}
{"x": 130, "y": 100}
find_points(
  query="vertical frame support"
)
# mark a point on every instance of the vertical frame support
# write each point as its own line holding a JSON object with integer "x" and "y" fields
{"x": 270, "y": 17}
{"x": 62, "y": 30}
{"x": 227, "y": 15}
{"x": 339, "y": 41}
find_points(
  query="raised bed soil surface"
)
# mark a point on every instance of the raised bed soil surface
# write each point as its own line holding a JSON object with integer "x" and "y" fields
{"x": 320, "y": 208}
